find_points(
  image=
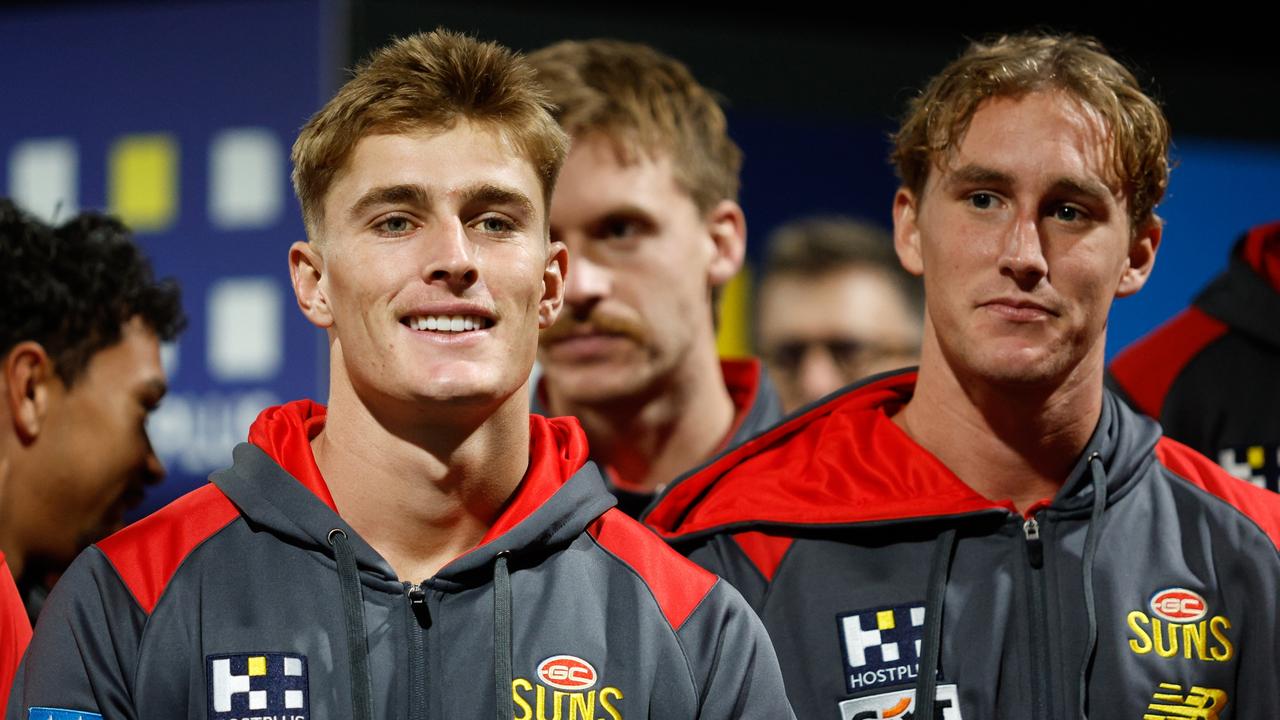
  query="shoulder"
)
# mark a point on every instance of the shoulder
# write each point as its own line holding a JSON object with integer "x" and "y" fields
{"x": 147, "y": 554}
{"x": 678, "y": 584}
{"x": 1146, "y": 370}
{"x": 1260, "y": 507}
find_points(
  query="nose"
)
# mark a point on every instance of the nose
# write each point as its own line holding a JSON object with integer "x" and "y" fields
{"x": 450, "y": 257}
{"x": 153, "y": 469}
{"x": 586, "y": 283}
{"x": 1022, "y": 255}
{"x": 818, "y": 375}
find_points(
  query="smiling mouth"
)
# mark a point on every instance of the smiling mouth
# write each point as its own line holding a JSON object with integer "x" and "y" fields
{"x": 446, "y": 323}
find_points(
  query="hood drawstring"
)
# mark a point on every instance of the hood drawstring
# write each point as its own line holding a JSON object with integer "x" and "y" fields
{"x": 1090, "y": 552}
{"x": 939, "y": 570}
{"x": 502, "y": 637}
{"x": 353, "y": 615}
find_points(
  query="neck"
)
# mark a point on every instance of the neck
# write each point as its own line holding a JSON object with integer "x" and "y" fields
{"x": 419, "y": 486}
{"x": 649, "y": 439}
{"x": 1016, "y": 443}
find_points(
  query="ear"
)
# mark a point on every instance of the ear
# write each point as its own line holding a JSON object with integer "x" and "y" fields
{"x": 906, "y": 231}
{"x": 727, "y": 227}
{"x": 1142, "y": 257}
{"x": 306, "y": 270}
{"x": 29, "y": 380}
{"x": 553, "y": 284}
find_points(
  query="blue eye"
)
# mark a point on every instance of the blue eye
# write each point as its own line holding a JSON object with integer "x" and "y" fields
{"x": 494, "y": 224}
{"x": 982, "y": 201}
{"x": 396, "y": 225}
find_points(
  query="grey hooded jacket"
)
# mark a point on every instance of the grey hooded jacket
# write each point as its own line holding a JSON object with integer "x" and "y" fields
{"x": 251, "y": 598}
{"x": 1148, "y": 588}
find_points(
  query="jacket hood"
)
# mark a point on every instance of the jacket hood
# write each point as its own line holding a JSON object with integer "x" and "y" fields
{"x": 844, "y": 462}
{"x": 276, "y": 485}
{"x": 1247, "y": 296}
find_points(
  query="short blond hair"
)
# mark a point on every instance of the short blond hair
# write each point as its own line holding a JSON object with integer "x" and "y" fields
{"x": 1014, "y": 65}
{"x": 635, "y": 95}
{"x": 427, "y": 81}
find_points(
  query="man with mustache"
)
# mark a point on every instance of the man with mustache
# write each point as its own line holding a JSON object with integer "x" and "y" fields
{"x": 81, "y": 322}
{"x": 646, "y": 203}
{"x": 996, "y": 535}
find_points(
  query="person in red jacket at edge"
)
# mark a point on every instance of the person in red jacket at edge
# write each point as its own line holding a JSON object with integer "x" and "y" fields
{"x": 423, "y": 547}
{"x": 995, "y": 534}
{"x": 1211, "y": 374}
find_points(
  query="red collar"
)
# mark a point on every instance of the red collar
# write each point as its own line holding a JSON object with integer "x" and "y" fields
{"x": 557, "y": 449}
{"x": 1262, "y": 252}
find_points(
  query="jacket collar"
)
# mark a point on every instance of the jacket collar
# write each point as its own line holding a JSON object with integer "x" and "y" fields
{"x": 275, "y": 483}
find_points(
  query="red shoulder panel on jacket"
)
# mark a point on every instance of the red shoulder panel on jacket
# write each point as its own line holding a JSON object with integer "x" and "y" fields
{"x": 1147, "y": 368}
{"x": 677, "y": 583}
{"x": 764, "y": 551}
{"x": 147, "y": 553}
{"x": 1262, "y": 506}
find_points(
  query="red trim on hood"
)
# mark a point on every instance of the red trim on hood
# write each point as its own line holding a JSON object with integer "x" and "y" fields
{"x": 1146, "y": 369}
{"x": 147, "y": 553}
{"x": 1261, "y": 506}
{"x": 557, "y": 450}
{"x": 1262, "y": 252}
{"x": 285, "y": 433}
{"x": 676, "y": 582}
{"x": 15, "y": 629}
{"x": 764, "y": 551}
{"x": 799, "y": 472}
{"x": 742, "y": 380}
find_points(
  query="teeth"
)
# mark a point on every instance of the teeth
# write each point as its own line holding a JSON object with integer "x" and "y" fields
{"x": 447, "y": 323}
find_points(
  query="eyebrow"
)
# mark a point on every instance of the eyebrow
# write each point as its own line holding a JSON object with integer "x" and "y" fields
{"x": 490, "y": 194}
{"x": 414, "y": 195}
{"x": 980, "y": 175}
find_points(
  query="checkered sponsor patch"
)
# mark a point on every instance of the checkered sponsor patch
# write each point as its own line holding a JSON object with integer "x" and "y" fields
{"x": 881, "y": 646}
{"x": 257, "y": 685}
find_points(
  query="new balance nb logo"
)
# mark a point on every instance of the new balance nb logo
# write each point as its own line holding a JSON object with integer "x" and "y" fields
{"x": 265, "y": 686}
{"x": 1168, "y": 703}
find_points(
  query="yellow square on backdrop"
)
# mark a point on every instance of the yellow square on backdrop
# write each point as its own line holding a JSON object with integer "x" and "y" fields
{"x": 257, "y": 666}
{"x": 884, "y": 620}
{"x": 142, "y": 181}
{"x": 1256, "y": 456}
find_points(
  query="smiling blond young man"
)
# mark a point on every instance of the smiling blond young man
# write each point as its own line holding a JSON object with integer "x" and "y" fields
{"x": 647, "y": 205}
{"x": 422, "y": 547}
{"x": 995, "y": 535}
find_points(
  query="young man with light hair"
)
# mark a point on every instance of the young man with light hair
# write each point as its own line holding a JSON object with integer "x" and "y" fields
{"x": 996, "y": 535}
{"x": 647, "y": 204}
{"x": 422, "y": 547}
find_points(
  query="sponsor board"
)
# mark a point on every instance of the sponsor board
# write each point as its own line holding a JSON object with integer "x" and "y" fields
{"x": 901, "y": 705}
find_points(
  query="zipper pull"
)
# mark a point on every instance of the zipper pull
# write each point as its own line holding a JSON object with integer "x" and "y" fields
{"x": 417, "y": 597}
{"x": 1035, "y": 548}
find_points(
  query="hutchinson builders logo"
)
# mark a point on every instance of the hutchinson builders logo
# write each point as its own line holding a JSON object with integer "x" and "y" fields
{"x": 262, "y": 686}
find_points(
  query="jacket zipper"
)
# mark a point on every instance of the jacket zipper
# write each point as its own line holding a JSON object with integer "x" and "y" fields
{"x": 418, "y": 616}
{"x": 1038, "y": 626}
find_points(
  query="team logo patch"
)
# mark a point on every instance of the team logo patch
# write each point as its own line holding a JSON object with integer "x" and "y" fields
{"x": 566, "y": 687}
{"x": 1180, "y": 625}
{"x": 881, "y": 646}
{"x": 48, "y": 713}
{"x": 257, "y": 685}
{"x": 1199, "y": 703}
{"x": 901, "y": 705}
{"x": 1258, "y": 464}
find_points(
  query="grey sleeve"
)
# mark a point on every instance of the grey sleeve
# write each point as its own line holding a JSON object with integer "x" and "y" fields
{"x": 734, "y": 666}
{"x": 85, "y": 647}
